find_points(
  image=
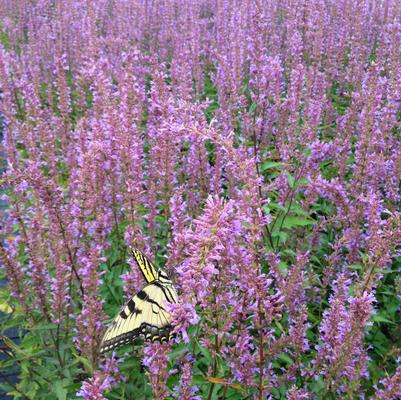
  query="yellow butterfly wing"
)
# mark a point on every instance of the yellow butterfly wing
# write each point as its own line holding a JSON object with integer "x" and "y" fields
{"x": 144, "y": 315}
{"x": 148, "y": 270}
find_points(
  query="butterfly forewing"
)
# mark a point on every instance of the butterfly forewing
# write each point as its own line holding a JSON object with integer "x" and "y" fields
{"x": 148, "y": 270}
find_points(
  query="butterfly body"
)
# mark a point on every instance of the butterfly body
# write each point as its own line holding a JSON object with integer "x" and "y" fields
{"x": 145, "y": 314}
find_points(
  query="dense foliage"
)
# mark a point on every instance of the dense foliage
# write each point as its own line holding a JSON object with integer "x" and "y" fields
{"x": 251, "y": 148}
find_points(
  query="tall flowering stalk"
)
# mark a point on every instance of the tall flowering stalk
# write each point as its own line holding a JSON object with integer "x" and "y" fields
{"x": 155, "y": 358}
{"x": 342, "y": 357}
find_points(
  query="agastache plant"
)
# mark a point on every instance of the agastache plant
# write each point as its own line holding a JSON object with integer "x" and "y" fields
{"x": 251, "y": 149}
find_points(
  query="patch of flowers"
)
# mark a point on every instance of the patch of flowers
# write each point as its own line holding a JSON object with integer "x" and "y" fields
{"x": 250, "y": 148}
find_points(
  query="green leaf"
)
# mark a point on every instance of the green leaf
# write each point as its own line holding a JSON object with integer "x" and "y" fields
{"x": 270, "y": 164}
{"x": 355, "y": 267}
{"x": 273, "y": 206}
{"x": 252, "y": 108}
{"x": 44, "y": 327}
{"x": 317, "y": 385}
{"x": 380, "y": 318}
{"x": 298, "y": 210}
{"x": 84, "y": 361}
{"x": 279, "y": 326}
{"x": 291, "y": 181}
{"x": 388, "y": 271}
{"x": 292, "y": 221}
{"x": 205, "y": 352}
{"x": 5, "y": 387}
{"x": 285, "y": 358}
{"x": 283, "y": 266}
{"x": 61, "y": 392}
{"x": 281, "y": 235}
{"x": 302, "y": 182}
{"x": 5, "y": 40}
{"x": 73, "y": 387}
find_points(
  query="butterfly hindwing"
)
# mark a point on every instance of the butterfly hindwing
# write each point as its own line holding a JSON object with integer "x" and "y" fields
{"x": 144, "y": 315}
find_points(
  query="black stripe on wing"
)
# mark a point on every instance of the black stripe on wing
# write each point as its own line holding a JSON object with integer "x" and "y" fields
{"x": 148, "y": 270}
{"x": 132, "y": 310}
{"x": 166, "y": 291}
{"x": 145, "y": 297}
{"x": 146, "y": 331}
